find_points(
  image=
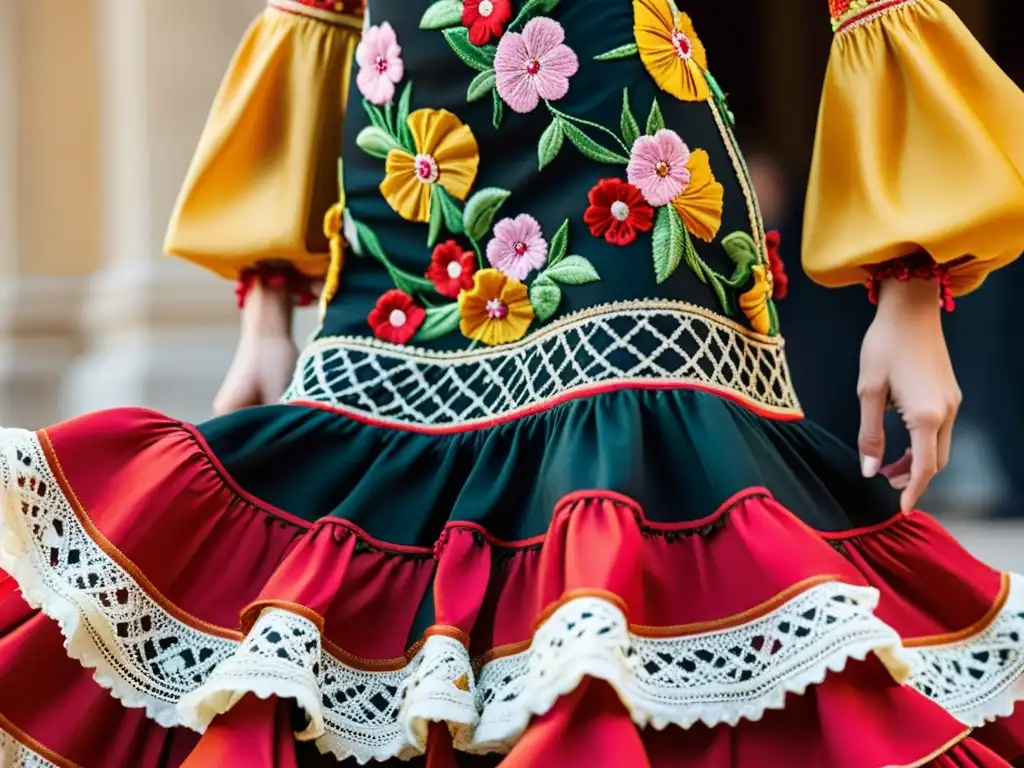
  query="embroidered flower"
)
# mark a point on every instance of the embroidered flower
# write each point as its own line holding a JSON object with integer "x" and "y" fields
{"x": 700, "y": 203}
{"x": 396, "y": 318}
{"x": 517, "y": 246}
{"x": 496, "y": 310}
{"x": 777, "y": 270}
{"x": 379, "y": 57}
{"x": 446, "y": 154}
{"x": 657, "y": 166}
{"x": 670, "y": 50}
{"x": 451, "y": 269}
{"x": 838, "y": 7}
{"x": 617, "y": 211}
{"x": 754, "y": 302}
{"x": 534, "y": 65}
{"x": 485, "y": 19}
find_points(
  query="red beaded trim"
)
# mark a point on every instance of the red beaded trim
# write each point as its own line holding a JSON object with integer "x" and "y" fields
{"x": 343, "y": 12}
{"x": 280, "y": 277}
{"x": 918, "y": 266}
{"x": 847, "y": 14}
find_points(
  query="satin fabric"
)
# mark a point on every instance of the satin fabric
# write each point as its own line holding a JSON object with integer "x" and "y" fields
{"x": 266, "y": 168}
{"x": 920, "y": 145}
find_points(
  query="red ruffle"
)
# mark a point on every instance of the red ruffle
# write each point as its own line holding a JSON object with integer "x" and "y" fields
{"x": 161, "y": 506}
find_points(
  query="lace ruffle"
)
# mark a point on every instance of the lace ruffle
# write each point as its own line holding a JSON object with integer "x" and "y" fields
{"x": 13, "y": 754}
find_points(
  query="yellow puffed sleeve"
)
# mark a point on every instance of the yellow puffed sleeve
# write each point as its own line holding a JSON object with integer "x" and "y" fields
{"x": 266, "y": 169}
{"x": 920, "y": 146}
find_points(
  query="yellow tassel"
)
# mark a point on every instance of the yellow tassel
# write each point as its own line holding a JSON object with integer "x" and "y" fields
{"x": 332, "y": 229}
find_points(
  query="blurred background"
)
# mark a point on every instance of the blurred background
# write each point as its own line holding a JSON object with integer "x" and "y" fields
{"x": 101, "y": 105}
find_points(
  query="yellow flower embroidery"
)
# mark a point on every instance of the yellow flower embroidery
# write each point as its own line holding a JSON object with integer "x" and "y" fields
{"x": 754, "y": 302}
{"x": 446, "y": 154}
{"x": 670, "y": 49}
{"x": 700, "y": 203}
{"x": 496, "y": 310}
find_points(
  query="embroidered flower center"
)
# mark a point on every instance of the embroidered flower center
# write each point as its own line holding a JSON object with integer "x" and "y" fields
{"x": 426, "y": 169}
{"x": 454, "y": 270}
{"x": 661, "y": 169}
{"x": 397, "y": 318}
{"x": 486, "y": 8}
{"x": 532, "y": 67}
{"x": 382, "y": 65}
{"x": 519, "y": 248}
{"x": 620, "y": 210}
{"x": 497, "y": 309}
{"x": 682, "y": 45}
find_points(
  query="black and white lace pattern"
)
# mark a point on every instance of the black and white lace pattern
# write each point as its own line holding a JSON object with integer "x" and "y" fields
{"x": 15, "y": 755}
{"x": 663, "y": 342}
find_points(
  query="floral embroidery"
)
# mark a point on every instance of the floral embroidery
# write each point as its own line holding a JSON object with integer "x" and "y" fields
{"x": 657, "y": 167}
{"x": 700, "y": 203}
{"x": 380, "y": 64}
{"x": 617, "y": 211}
{"x": 446, "y": 157}
{"x": 451, "y": 269}
{"x": 670, "y": 49}
{"x": 534, "y": 65}
{"x": 545, "y": 291}
{"x": 485, "y": 19}
{"x": 517, "y": 247}
{"x": 496, "y": 310}
{"x": 780, "y": 282}
{"x": 755, "y": 302}
{"x": 396, "y": 317}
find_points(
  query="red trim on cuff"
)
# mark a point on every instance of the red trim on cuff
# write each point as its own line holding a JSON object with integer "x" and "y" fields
{"x": 917, "y": 266}
{"x": 280, "y": 276}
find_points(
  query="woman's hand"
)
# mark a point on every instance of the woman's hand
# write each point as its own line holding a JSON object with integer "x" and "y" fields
{"x": 266, "y": 354}
{"x": 904, "y": 362}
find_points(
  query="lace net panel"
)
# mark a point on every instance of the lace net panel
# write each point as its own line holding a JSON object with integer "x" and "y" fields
{"x": 643, "y": 341}
{"x": 14, "y": 755}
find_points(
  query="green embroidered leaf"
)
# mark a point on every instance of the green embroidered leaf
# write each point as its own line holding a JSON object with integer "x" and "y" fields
{"x": 436, "y": 217}
{"x": 376, "y": 117}
{"x": 667, "y": 243}
{"x": 440, "y": 321}
{"x": 403, "y": 280}
{"x": 622, "y": 52}
{"x": 741, "y": 249}
{"x": 773, "y": 319}
{"x": 480, "y": 211}
{"x": 548, "y": 5}
{"x": 449, "y": 209}
{"x": 443, "y": 13}
{"x": 720, "y": 98}
{"x": 498, "y": 110}
{"x": 559, "y": 245}
{"x": 530, "y": 7}
{"x": 375, "y": 141}
{"x": 480, "y": 58}
{"x": 545, "y": 296}
{"x": 627, "y": 123}
{"x": 370, "y": 242}
{"x": 572, "y": 270}
{"x": 410, "y": 283}
{"x": 480, "y": 85}
{"x": 550, "y": 143}
{"x": 404, "y": 134}
{"x": 591, "y": 148}
{"x": 655, "y": 120}
{"x": 389, "y": 117}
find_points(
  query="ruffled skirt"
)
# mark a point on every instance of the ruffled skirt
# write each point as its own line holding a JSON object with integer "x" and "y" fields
{"x": 636, "y": 578}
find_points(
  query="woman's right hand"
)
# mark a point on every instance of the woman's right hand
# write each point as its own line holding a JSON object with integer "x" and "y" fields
{"x": 266, "y": 354}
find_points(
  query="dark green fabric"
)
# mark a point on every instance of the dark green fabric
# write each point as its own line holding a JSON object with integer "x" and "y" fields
{"x": 679, "y": 453}
{"x": 508, "y": 159}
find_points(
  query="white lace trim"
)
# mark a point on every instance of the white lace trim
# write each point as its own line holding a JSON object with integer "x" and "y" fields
{"x": 13, "y": 754}
{"x": 672, "y": 343}
{"x": 183, "y": 676}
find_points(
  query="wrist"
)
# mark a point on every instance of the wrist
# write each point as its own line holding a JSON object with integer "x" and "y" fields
{"x": 267, "y": 311}
{"x": 909, "y": 282}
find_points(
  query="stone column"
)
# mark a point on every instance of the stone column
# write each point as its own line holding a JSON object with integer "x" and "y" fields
{"x": 161, "y": 332}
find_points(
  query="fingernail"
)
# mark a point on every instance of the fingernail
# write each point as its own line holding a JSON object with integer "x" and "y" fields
{"x": 869, "y": 466}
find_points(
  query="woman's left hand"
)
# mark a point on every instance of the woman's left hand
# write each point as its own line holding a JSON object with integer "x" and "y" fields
{"x": 904, "y": 362}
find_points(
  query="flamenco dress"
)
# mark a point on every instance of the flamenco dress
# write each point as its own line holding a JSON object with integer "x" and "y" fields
{"x": 541, "y": 492}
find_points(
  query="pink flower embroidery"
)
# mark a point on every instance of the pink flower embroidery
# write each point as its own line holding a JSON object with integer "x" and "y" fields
{"x": 534, "y": 65}
{"x": 657, "y": 167}
{"x": 379, "y": 57}
{"x": 517, "y": 247}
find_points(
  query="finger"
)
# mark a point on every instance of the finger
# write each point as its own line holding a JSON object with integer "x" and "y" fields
{"x": 924, "y": 448}
{"x": 945, "y": 439}
{"x": 899, "y": 467}
{"x": 899, "y": 482}
{"x": 871, "y": 440}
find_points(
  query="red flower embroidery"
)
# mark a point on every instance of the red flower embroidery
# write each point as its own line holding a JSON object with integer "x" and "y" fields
{"x": 617, "y": 212}
{"x": 396, "y": 318}
{"x": 838, "y": 7}
{"x": 780, "y": 283}
{"x": 485, "y": 19}
{"x": 451, "y": 269}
